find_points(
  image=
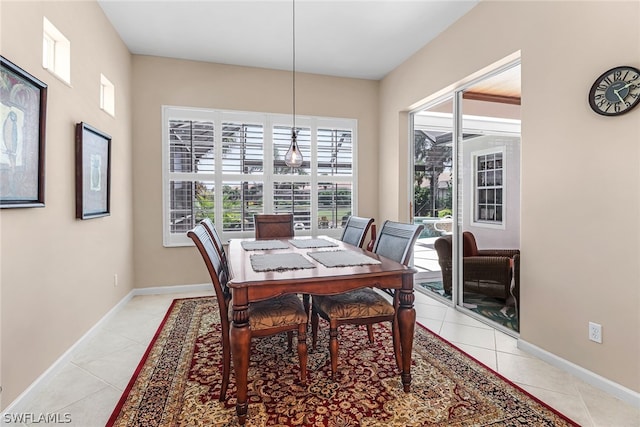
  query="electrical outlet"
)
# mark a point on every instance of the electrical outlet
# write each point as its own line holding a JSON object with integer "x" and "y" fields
{"x": 115, "y": 280}
{"x": 595, "y": 332}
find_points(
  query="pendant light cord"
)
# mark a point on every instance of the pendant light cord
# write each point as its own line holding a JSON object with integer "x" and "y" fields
{"x": 293, "y": 129}
{"x": 294, "y": 158}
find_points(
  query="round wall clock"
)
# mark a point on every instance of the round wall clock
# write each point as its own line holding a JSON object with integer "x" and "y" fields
{"x": 616, "y": 91}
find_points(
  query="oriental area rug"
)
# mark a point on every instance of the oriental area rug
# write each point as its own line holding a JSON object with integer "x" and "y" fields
{"x": 177, "y": 383}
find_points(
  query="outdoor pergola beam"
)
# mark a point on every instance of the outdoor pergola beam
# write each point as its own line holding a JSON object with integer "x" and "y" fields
{"x": 476, "y": 96}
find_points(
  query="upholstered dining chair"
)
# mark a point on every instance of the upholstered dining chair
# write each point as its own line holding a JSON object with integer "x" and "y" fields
{"x": 355, "y": 230}
{"x": 273, "y": 226}
{"x": 280, "y": 314}
{"x": 366, "y": 306}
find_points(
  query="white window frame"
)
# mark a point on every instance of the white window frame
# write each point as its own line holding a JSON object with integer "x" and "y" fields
{"x": 474, "y": 194}
{"x": 268, "y": 120}
{"x": 56, "y": 52}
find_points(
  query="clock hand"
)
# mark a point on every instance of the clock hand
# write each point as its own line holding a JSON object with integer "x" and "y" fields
{"x": 618, "y": 95}
{"x": 625, "y": 86}
{"x": 619, "y": 89}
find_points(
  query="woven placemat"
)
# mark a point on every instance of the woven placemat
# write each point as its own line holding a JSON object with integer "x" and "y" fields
{"x": 279, "y": 262}
{"x": 263, "y": 245}
{"x": 342, "y": 258}
{"x": 312, "y": 243}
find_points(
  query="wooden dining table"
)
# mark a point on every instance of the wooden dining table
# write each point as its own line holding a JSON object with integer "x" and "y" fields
{"x": 248, "y": 285}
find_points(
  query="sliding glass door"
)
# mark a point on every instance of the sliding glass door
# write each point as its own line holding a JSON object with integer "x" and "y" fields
{"x": 466, "y": 188}
{"x": 488, "y": 197}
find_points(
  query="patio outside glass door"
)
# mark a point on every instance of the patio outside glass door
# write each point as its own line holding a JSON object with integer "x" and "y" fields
{"x": 432, "y": 187}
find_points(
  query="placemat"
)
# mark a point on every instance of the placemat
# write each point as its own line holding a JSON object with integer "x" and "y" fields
{"x": 263, "y": 245}
{"x": 312, "y": 243}
{"x": 341, "y": 258}
{"x": 279, "y": 262}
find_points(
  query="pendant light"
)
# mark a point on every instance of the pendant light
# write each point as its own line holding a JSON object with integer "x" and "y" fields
{"x": 293, "y": 158}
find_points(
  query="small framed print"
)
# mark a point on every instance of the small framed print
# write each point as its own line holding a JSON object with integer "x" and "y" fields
{"x": 23, "y": 105}
{"x": 93, "y": 172}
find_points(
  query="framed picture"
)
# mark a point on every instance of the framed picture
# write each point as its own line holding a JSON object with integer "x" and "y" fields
{"x": 23, "y": 105}
{"x": 93, "y": 172}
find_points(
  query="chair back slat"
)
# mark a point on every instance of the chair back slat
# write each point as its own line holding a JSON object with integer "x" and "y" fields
{"x": 217, "y": 241}
{"x": 355, "y": 230}
{"x": 273, "y": 226}
{"x": 217, "y": 270}
{"x": 396, "y": 240}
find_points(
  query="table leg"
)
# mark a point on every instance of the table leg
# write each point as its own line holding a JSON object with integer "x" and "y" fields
{"x": 240, "y": 348}
{"x": 306, "y": 302}
{"x": 406, "y": 324}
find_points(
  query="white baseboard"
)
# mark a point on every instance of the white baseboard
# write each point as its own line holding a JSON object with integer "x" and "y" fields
{"x": 158, "y": 290}
{"x": 604, "y": 384}
{"x": 67, "y": 355}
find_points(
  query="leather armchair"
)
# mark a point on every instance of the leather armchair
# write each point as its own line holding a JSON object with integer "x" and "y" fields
{"x": 486, "y": 271}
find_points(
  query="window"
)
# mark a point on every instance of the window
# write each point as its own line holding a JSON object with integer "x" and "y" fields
{"x": 107, "y": 96}
{"x": 229, "y": 165}
{"x": 489, "y": 187}
{"x": 56, "y": 51}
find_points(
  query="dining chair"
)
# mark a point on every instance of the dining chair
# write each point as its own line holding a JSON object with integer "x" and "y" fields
{"x": 273, "y": 226}
{"x": 355, "y": 230}
{"x": 284, "y": 313}
{"x": 366, "y": 306}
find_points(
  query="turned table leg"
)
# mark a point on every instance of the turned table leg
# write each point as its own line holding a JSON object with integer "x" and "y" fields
{"x": 406, "y": 324}
{"x": 240, "y": 347}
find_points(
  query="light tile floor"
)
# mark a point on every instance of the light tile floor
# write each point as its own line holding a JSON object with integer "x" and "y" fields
{"x": 89, "y": 386}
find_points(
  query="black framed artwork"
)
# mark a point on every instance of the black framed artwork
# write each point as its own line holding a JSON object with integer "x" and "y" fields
{"x": 23, "y": 105}
{"x": 93, "y": 172}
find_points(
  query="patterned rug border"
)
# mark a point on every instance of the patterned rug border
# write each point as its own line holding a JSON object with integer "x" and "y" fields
{"x": 143, "y": 360}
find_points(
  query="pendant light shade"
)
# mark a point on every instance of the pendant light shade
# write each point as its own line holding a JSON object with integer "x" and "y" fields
{"x": 293, "y": 158}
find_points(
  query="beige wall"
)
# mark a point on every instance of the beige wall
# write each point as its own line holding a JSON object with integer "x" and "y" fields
{"x": 161, "y": 81}
{"x": 580, "y": 178}
{"x": 57, "y": 273}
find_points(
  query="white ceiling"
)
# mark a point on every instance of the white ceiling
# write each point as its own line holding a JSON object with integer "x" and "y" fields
{"x": 348, "y": 38}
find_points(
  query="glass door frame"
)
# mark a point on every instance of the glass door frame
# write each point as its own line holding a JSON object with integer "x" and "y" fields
{"x": 457, "y": 285}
